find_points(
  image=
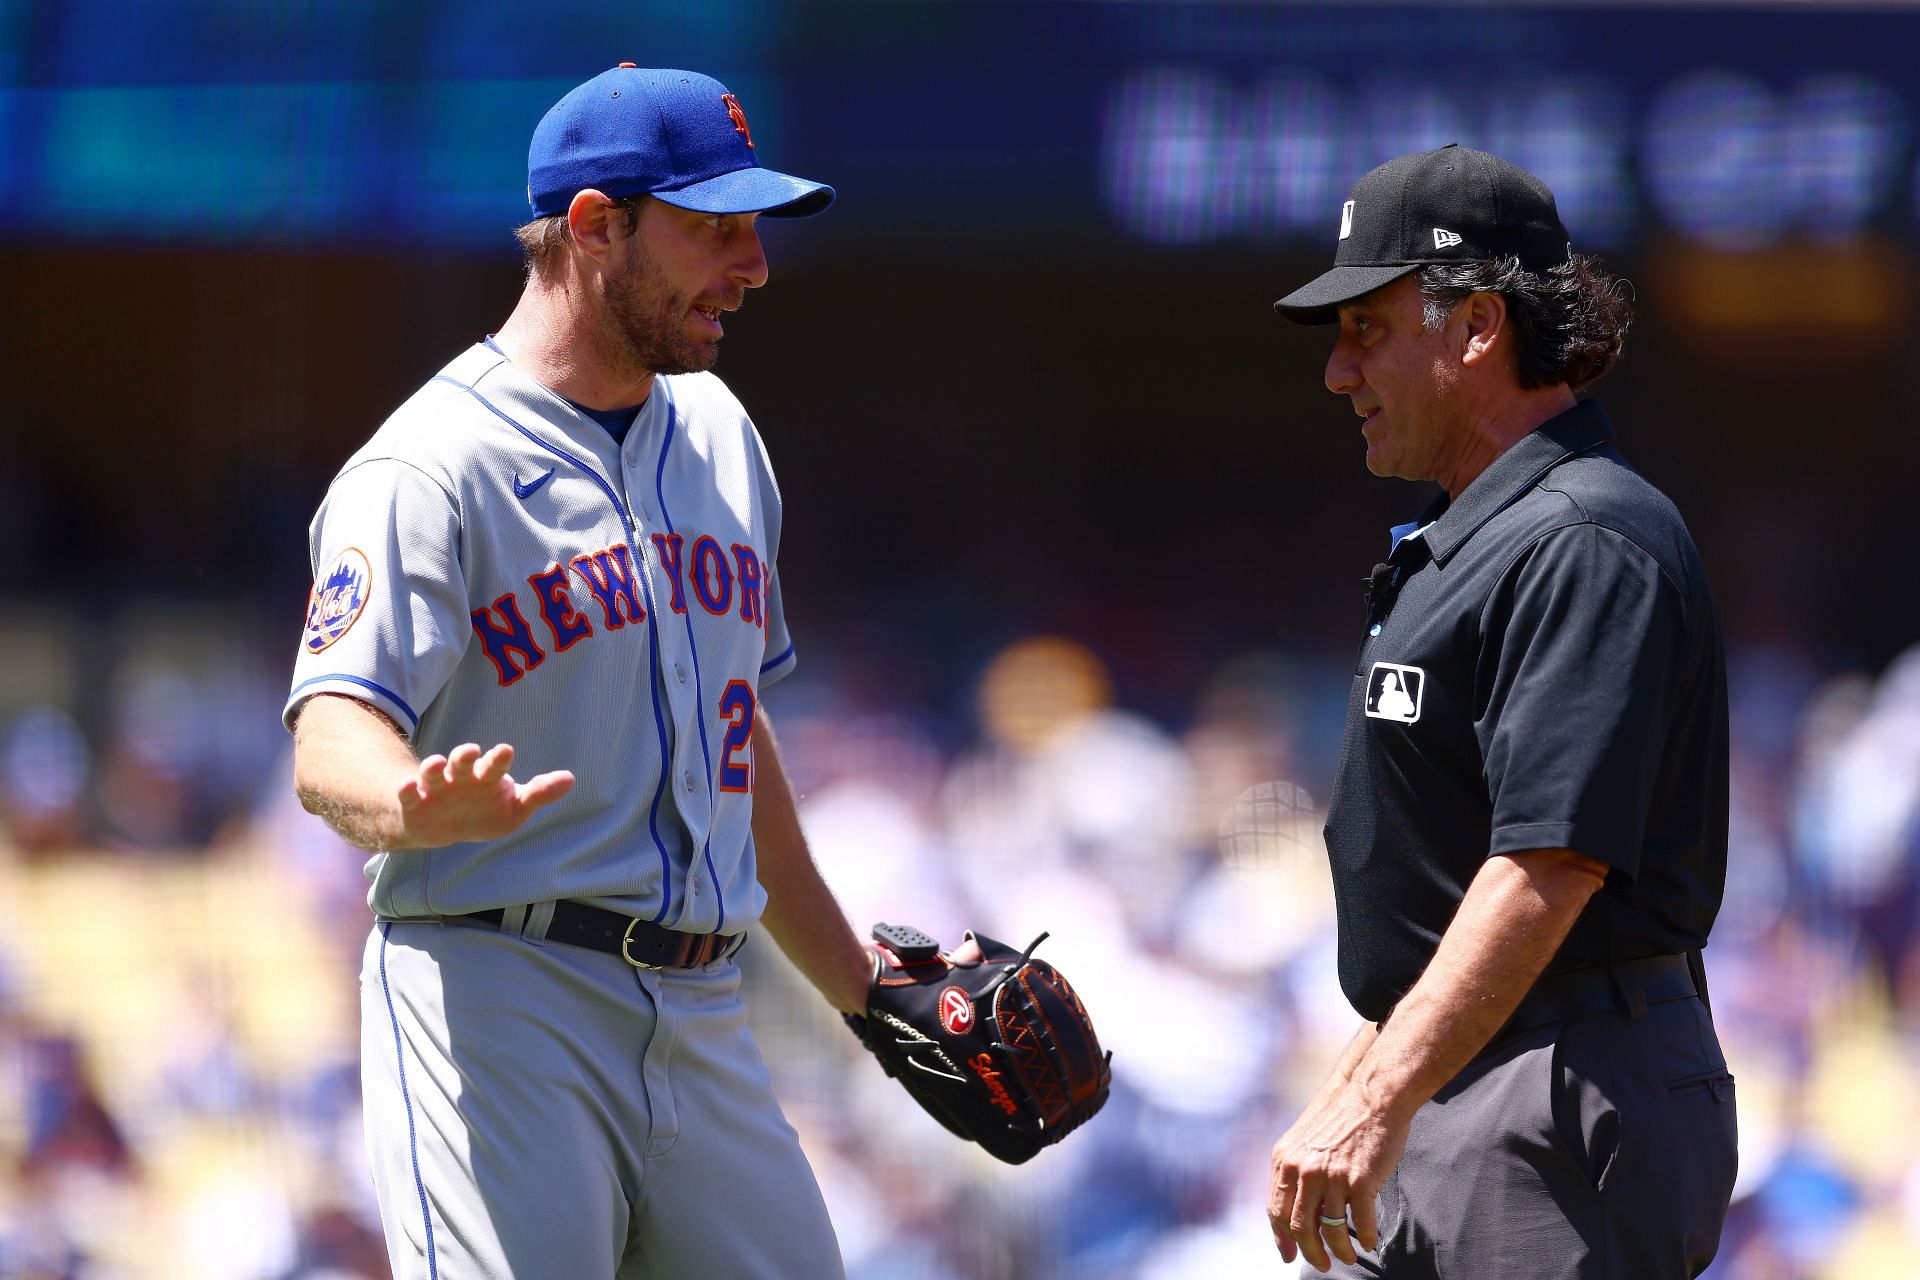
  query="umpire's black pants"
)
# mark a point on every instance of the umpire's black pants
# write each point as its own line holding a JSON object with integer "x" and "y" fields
{"x": 1600, "y": 1148}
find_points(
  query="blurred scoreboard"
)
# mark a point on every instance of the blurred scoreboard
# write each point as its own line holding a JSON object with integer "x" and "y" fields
{"x": 1071, "y": 124}
{"x": 1717, "y": 154}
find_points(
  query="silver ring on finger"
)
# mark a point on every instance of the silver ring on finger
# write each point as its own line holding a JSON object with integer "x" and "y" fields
{"x": 1326, "y": 1221}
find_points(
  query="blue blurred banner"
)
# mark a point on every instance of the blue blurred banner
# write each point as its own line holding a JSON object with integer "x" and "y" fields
{"x": 1172, "y": 124}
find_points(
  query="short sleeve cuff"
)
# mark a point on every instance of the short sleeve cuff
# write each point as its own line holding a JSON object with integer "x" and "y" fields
{"x": 1583, "y": 838}
{"x": 778, "y": 667}
{"x": 367, "y": 691}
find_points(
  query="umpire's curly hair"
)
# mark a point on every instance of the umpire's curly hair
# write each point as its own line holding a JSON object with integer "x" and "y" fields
{"x": 1570, "y": 322}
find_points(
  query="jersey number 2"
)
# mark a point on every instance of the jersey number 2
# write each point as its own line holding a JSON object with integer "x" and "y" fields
{"x": 736, "y": 708}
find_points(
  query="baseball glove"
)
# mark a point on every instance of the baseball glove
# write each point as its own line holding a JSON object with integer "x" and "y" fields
{"x": 1000, "y": 1051}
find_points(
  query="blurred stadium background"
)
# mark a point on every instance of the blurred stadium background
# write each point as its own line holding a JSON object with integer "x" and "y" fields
{"x": 1074, "y": 550}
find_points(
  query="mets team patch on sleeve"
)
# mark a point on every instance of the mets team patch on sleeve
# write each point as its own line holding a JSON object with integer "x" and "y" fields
{"x": 338, "y": 596}
{"x": 1394, "y": 691}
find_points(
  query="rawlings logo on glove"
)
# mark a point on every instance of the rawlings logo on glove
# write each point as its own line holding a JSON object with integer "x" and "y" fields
{"x": 1034, "y": 1067}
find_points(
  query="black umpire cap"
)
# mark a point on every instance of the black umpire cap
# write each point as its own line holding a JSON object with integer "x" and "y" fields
{"x": 1450, "y": 205}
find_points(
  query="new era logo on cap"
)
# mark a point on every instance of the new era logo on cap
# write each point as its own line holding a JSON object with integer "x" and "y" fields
{"x": 1451, "y": 204}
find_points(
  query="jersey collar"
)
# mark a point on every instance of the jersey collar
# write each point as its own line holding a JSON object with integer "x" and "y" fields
{"x": 1512, "y": 474}
{"x": 538, "y": 408}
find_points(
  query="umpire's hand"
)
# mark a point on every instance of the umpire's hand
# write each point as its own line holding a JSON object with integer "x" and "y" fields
{"x": 1333, "y": 1160}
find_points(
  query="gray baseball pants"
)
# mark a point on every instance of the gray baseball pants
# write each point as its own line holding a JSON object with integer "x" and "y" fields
{"x": 1600, "y": 1148}
{"x": 539, "y": 1110}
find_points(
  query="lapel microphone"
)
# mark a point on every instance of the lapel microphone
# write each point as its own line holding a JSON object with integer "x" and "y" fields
{"x": 1379, "y": 588}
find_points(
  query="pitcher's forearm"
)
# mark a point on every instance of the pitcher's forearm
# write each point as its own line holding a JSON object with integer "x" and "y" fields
{"x": 801, "y": 915}
{"x": 349, "y": 762}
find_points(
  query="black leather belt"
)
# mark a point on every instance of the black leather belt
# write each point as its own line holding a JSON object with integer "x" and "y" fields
{"x": 641, "y": 943}
{"x": 1627, "y": 985}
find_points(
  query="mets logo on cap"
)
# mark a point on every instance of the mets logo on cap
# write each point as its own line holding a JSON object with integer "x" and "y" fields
{"x": 738, "y": 115}
{"x": 338, "y": 596}
{"x": 956, "y": 1011}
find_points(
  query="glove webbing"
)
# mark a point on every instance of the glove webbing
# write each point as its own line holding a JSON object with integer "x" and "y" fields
{"x": 1036, "y": 1052}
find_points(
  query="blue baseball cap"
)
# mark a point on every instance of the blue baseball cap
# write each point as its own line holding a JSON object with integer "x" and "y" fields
{"x": 677, "y": 136}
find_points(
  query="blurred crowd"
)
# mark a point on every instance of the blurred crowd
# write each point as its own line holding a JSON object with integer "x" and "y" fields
{"x": 178, "y": 1001}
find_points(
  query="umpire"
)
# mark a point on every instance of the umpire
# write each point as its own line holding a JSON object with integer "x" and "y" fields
{"x": 1528, "y": 832}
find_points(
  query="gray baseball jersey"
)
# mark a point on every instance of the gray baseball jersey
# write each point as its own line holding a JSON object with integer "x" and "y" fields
{"x": 493, "y": 567}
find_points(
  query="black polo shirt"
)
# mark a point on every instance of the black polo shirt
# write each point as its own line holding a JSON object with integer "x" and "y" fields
{"x": 1544, "y": 672}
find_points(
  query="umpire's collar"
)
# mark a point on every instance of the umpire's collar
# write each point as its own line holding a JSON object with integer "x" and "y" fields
{"x": 1512, "y": 474}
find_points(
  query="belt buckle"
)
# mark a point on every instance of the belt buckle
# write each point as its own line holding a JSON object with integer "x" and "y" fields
{"x": 626, "y": 941}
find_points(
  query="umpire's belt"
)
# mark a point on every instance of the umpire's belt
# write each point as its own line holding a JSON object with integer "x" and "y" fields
{"x": 641, "y": 943}
{"x": 1627, "y": 985}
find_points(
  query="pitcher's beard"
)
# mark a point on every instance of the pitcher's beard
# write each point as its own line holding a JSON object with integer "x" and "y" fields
{"x": 649, "y": 323}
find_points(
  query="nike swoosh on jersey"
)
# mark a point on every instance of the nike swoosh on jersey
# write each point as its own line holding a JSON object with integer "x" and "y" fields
{"x": 527, "y": 490}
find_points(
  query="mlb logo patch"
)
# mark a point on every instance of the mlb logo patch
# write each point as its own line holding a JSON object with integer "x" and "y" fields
{"x": 1394, "y": 692}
